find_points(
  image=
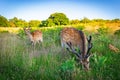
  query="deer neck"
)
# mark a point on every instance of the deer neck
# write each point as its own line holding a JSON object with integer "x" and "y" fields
{"x": 30, "y": 35}
{"x": 83, "y": 44}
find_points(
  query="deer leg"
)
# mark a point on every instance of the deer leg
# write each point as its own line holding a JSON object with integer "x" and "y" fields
{"x": 32, "y": 42}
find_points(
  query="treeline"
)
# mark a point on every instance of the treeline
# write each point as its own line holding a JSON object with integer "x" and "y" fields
{"x": 54, "y": 19}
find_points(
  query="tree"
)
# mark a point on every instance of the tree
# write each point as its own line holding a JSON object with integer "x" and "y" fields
{"x": 34, "y": 23}
{"x": 57, "y": 19}
{"x": 3, "y": 22}
{"x": 43, "y": 23}
{"x": 76, "y": 21}
{"x": 117, "y": 20}
{"x": 85, "y": 20}
{"x": 12, "y": 24}
{"x": 15, "y": 22}
{"x": 50, "y": 22}
{"x": 98, "y": 20}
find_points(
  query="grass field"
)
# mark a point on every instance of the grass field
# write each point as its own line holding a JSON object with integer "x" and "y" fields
{"x": 48, "y": 61}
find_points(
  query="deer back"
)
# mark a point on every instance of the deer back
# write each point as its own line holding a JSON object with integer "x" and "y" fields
{"x": 37, "y": 35}
{"x": 76, "y": 37}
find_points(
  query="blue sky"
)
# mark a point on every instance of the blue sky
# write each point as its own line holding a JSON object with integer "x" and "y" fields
{"x": 74, "y": 9}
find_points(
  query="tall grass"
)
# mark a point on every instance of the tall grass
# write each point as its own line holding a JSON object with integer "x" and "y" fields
{"x": 48, "y": 61}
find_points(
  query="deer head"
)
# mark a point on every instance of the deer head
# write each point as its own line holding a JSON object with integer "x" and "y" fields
{"x": 27, "y": 30}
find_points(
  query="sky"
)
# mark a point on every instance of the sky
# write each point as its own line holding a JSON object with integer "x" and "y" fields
{"x": 73, "y": 9}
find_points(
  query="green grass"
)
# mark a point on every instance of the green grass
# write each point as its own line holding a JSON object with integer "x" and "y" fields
{"x": 48, "y": 61}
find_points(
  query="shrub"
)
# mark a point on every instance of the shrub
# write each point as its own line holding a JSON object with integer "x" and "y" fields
{"x": 21, "y": 34}
{"x": 99, "y": 61}
{"x": 117, "y": 32}
{"x": 4, "y": 31}
{"x": 103, "y": 30}
{"x": 67, "y": 69}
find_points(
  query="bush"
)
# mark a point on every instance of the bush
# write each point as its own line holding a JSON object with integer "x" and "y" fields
{"x": 99, "y": 61}
{"x": 3, "y": 22}
{"x": 103, "y": 30}
{"x": 117, "y": 32}
{"x": 67, "y": 69}
{"x": 21, "y": 34}
{"x": 4, "y": 31}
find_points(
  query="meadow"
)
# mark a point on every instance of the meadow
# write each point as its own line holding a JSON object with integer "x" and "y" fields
{"x": 48, "y": 61}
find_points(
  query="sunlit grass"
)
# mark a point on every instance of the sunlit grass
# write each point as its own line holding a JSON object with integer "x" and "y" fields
{"x": 9, "y": 29}
{"x": 48, "y": 61}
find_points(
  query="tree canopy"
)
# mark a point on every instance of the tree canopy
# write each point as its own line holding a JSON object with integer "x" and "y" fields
{"x": 57, "y": 19}
{"x": 54, "y": 19}
{"x": 76, "y": 21}
{"x": 15, "y": 22}
{"x": 34, "y": 23}
{"x": 3, "y": 21}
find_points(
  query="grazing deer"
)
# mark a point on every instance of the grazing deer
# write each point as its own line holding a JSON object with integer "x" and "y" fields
{"x": 35, "y": 36}
{"x": 71, "y": 39}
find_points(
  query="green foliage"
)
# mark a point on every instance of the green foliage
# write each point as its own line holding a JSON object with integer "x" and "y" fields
{"x": 117, "y": 32}
{"x": 4, "y": 31}
{"x": 48, "y": 61}
{"x": 57, "y": 19}
{"x": 21, "y": 34}
{"x": 43, "y": 23}
{"x": 68, "y": 65}
{"x": 117, "y": 20}
{"x": 100, "y": 43}
{"x": 98, "y": 20}
{"x": 34, "y": 23}
{"x": 67, "y": 69}
{"x": 99, "y": 61}
{"x": 3, "y": 22}
{"x": 12, "y": 24}
{"x": 15, "y": 22}
{"x": 80, "y": 27}
{"x": 50, "y": 22}
{"x": 76, "y": 21}
{"x": 102, "y": 30}
{"x": 85, "y": 20}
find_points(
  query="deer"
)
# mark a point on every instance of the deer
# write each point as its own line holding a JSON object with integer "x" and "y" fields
{"x": 35, "y": 37}
{"x": 73, "y": 39}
